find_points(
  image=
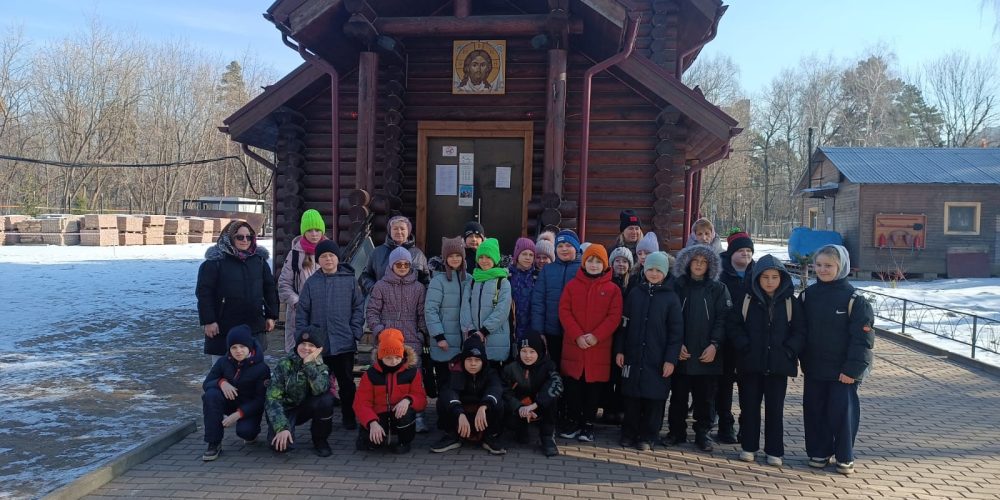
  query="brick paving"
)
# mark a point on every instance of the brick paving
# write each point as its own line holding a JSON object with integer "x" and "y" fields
{"x": 930, "y": 429}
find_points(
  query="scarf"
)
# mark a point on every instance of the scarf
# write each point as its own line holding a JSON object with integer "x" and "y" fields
{"x": 309, "y": 248}
{"x": 479, "y": 275}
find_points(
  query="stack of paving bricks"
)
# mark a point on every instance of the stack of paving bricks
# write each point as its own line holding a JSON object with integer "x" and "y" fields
{"x": 8, "y": 229}
{"x": 30, "y": 232}
{"x": 201, "y": 230}
{"x": 99, "y": 230}
{"x": 129, "y": 230}
{"x": 62, "y": 230}
{"x": 175, "y": 231}
{"x": 153, "y": 229}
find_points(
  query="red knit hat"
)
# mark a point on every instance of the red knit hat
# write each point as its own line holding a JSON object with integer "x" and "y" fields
{"x": 390, "y": 343}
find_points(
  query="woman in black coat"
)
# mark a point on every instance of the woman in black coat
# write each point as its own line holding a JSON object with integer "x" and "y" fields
{"x": 236, "y": 287}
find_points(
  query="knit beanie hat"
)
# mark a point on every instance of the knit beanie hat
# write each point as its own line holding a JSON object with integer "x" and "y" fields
{"x": 473, "y": 348}
{"x": 390, "y": 343}
{"x": 533, "y": 340}
{"x": 657, "y": 260}
{"x": 327, "y": 246}
{"x": 473, "y": 227}
{"x": 545, "y": 247}
{"x": 521, "y": 245}
{"x": 451, "y": 246}
{"x": 738, "y": 240}
{"x": 490, "y": 247}
{"x": 568, "y": 236}
{"x": 624, "y": 253}
{"x": 596, "y": 251}
{"x": 648, "y": 243}
{"x": 311, "y": 219}
{"x": 240, "y": 334}
{"x": 311, "y": 334}
{"x": 627, "y": 218}
{"x": 585, "y": 245}
{"x": 398, "y": 254}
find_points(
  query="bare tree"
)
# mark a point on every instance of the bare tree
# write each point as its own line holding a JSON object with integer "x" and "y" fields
{"x": 964, "y": 89}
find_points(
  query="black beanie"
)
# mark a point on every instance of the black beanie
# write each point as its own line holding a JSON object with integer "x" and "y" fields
{"x": 473, "y": 348}
{"x": 738, "y": 240}
{"x": 627, "y": 218}
{"x": 533, "y": 340}
{"x": 240, "y": 334}
{"x": 327, "y": 246}
{"x": 473, "y": 227}
{"x": 311, "y": 334}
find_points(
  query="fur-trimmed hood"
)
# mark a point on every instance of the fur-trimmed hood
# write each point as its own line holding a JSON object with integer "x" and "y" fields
{"x": 683, "y": 261}
{"x": 219, "y": 251}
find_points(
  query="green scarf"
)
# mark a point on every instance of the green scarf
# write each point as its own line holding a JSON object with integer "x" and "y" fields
{"x": 480, "y": 275}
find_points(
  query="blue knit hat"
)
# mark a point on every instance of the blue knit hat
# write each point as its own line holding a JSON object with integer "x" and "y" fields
{"x": 240, "y": 334}
{"x": 568, "y": 236}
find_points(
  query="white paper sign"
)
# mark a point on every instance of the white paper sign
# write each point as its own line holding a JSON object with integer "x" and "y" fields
{"x": 449, "y": 151}
{"x": 503, "y": 177}
{"x": 465, "y": 196}
{"x": 465, "y": 173}
{"x": 466, "y": 158}
{"x": 446, "y": 180}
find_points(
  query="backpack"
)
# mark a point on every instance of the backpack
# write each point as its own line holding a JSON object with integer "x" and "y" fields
{"x": 788, "y": 306}
{"x": 295, "y": 271}
{"x": 802, "y": 297}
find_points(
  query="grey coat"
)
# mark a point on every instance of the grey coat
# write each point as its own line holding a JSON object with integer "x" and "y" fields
{"x": 335, "y": 303}
{"x": 443, "y": 311}
{"x": 479, "y": 313}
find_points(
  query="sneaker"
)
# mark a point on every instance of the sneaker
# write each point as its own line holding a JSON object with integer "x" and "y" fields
{"x": 747, "y": 456}
{"x": 703, "y": 443}
{"x": 492, "y": 445}
{"x": 673, "y": 439}
{"x": 773, "y": 460}
{"x": 819, "y": 462}
{"x": 322, "y": 450}
{"x": 421, "y": 427}
{"x": 570, "y": 433}
{"x": 213, "y": 452}
{"x": 549, "y": 447}
{"x": 401, "y": 448}
{"x": 644, "y": 446}
{"x": 447, "y": 442}
{"x": 845, "y": 468}
{"x": 727, "y": 436}
{"x": 586, "y": 434}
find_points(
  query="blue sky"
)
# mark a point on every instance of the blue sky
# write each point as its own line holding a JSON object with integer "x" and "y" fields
{"x": 762, "y": 36}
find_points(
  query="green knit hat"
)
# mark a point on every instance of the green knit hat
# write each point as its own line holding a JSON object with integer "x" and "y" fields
{"x": 311, "y": 219}
{"x": 490, "y": 247}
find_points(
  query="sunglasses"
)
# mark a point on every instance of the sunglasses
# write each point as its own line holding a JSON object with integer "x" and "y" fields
{"x": 401, "y": 265}
{"x": 243, "y": 237}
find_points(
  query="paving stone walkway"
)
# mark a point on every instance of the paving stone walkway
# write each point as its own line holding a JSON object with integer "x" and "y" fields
{"x": 930, "y": 429}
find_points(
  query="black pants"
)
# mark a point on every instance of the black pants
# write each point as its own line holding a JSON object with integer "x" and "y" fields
{"x": 546, "y": 422}
{"x": 831, "y": 412}
{"x": 755, "y": 387}
{"x": 319, "y": 409}
{"x": 724, "y": 400}
{"x": 611, "y": 397}
{"x": 442, "y": 374}
{"x": 701, "y": 389}
{"x": 581, "y": 401}
{"x": 643, "y": 418}
{"x": 397, "y": 430}
{"x": 553, "y": 343}
{"x": 215, "y": 406}
{"x": 448, "y": 421}
{"x": 342, "y": 367}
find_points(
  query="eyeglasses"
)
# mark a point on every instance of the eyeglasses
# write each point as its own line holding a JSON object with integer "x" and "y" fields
{"x": 243, "y": 237}
{"x": 401, "y": 265}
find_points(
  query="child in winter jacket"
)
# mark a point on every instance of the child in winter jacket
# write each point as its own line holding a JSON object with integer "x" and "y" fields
{"x": 397, "y": 301}
{"x": 590, "y": 311}
{"x": 522, "y": 279}
{"x": 486, "y": 303}
{"x": 611, "y": 402}
{"x": 470, "y": 407}
{"x": 552, "y": 279}
{"x": 647, "y": 352}
{"x": 443, "y": 308}
{"x": 389, "y": 396}
{"x": 234, "y": 391}
{"x": 704, "y": 304}
{"x": 332, "y": 302}
{"x": 299, "y": 265}
{"x": 767, "y": 327}
{"x": 299, "y": 391}
{"x": 737, "y": 271}
{"x": 532, "y": 387}
{"x": 836, "y": 357}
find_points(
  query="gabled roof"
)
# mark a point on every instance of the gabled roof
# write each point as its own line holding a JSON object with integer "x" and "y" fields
{"x": 916, "y": 165}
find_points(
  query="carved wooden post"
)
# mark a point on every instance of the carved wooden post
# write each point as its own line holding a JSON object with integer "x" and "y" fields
{"x": 555, "y": 123}
{"x": 367, "y": 97}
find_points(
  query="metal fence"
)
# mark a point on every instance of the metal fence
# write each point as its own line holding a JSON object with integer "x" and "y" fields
{"x": 977, "y": 332}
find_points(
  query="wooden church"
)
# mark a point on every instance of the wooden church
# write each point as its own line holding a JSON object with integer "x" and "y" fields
{"x": 516, "y": 113}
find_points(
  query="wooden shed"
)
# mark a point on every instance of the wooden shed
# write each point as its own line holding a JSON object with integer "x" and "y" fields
{"x": 916, "y": 211}
{"x": 519, "y": 113}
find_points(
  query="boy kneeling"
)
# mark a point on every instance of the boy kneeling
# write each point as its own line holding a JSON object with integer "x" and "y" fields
{"x": 469, "y": 406}
{"x": 532, "y": 387}
{"x": 234, "y": 391}
{"x": 299, "y": 392}
{"x": 389, "y": 396}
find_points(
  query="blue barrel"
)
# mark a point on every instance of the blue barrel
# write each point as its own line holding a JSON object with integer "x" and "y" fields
{"x": 804, "y": 241}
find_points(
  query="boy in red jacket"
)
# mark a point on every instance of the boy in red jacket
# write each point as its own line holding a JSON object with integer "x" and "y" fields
{"x": 590, "y": 311}
{"x": 390, "y": 395}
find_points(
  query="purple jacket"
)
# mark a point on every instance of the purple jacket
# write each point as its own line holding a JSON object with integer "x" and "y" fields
{"x": 398, "y": 302}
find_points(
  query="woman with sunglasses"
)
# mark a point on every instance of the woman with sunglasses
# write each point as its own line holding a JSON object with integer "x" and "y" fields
{"x": 235, "y": 287}
{"x": 397, "y": 301}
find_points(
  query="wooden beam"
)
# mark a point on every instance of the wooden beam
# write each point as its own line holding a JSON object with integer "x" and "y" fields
{"x": 445, "y": 26}
{"x": 367, "y": 97}
{"x": 555, "y": 123}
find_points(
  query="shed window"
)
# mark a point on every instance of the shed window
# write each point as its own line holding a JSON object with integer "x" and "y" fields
{"x": 961, "y": 217}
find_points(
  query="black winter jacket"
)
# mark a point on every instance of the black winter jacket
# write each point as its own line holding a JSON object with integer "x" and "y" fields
{"x": 705, "y": 304}
{"x": 541, "y": 382}
{"x": 249, "y": 377}
{"x": 836, "y": 342}
{"x": 234, "y": 292}
{"x": 767, "y": 342}
{"x": 483, "y": 388}
{"x": 652, "y": 334}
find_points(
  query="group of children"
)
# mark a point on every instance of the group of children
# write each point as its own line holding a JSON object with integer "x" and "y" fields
{"x": 525, "y": 348}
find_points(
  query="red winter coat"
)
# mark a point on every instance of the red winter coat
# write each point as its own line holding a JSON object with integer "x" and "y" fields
{"x": 378, "y": 392}
{"x": 589, "y": 305}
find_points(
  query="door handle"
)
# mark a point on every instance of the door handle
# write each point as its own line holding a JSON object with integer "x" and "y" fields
{"x": 479, "y": 210}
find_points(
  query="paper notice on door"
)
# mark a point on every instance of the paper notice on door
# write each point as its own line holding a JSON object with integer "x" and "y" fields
{"x": 446, "y": 180}
{"x": 465, "y": 173}
{"x": 465, "y": 195}
{"x": 466, "y": 158}
{"x": 503, "y": 178}
{"x": 449, "y": 151}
